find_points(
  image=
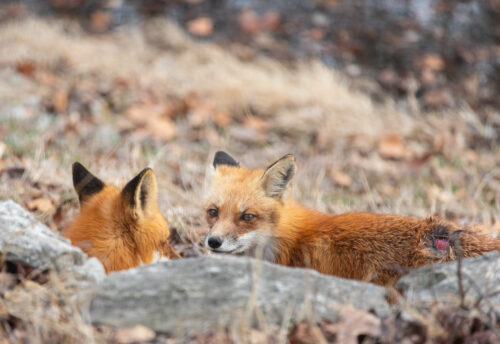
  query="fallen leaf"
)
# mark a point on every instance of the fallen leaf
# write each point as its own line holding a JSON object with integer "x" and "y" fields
{"x": 354, "y": 322}
{"x": 134, "y": 334}
{"x": 26, "y": 68}
{"x": 60, "y": 101}
{"x": 316, "y": 34}
{"x": 100, "y": 21}
{"x": 44, "y": 205}
{"x": 302, "y": 333}
{"x": 433, "y": 62}
{"x": 249, "y": 22}
{"x": 200, "y": 116}
{"x": 202, "y": 26}
{"x": 271, "y": 21}
{"x": 340, "y": 178}
{"x": 392, "y": 147}
{"x": 161, "y": 128}
{"x": 256, "y": 123}
{"x": 222, "y": 118}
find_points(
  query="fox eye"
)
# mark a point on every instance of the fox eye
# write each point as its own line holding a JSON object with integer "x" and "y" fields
{"x": 212, "y": 212}
{"x": 247, "y": 217}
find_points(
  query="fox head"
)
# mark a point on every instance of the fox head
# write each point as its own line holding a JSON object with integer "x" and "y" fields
{"x": 243, "y": 206}
{"x": 129, "y": 215}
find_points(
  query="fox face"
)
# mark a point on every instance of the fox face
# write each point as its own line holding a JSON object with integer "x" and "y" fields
{"x": 243, "y": 206}
{"x": 123, "y": 228}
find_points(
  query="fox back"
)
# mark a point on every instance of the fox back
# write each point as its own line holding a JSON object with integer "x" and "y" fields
{"x": 123, "y": 228}
{"x": 248, "y": 213}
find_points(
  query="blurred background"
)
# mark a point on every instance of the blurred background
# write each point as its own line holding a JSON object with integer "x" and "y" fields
{"x": 388, "y": 105}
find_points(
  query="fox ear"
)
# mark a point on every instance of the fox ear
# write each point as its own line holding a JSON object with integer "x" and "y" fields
{"x": 277, "y": 176}
{"x": 141, "y": 193}
{"x": 222, "y": 158}
{"x": 85, "y": 183}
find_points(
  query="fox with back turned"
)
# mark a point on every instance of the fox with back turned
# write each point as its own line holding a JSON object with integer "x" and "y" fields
{"x": 122, "y": 228}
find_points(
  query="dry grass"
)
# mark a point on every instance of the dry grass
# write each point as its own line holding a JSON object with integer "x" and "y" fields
{"x": 444, "y": 163}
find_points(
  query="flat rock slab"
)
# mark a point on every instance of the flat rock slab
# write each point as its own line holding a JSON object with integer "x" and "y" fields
{"x": 25, "y": 240}
{"x": 195, "y": 295}
{"x": 480, "y": 277}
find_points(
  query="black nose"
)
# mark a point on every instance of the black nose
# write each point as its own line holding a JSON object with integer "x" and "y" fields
{"x": 214, "y": 242}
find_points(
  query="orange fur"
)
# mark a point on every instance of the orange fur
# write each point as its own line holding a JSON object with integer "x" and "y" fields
{"x": 364, "y": 246}
{"x": 119, "y": 233}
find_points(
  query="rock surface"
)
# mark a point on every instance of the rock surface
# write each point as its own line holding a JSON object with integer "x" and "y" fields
{"x": 480, "y": 277}
{"x": 25, "y": 240}
{"x": 199, "y": 294}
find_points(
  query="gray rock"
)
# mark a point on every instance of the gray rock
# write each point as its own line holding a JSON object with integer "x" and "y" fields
{"x": 23, "y": 239}
{"x": 480, "y": 277}
{"x": 194, "y": 295}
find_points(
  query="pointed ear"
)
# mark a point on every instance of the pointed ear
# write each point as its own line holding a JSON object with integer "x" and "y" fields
{"x": 277, "y": 176}
{"x": 141, "y": 193}
{"x": 222, "y": 158}
{"x": 85, "y": 183}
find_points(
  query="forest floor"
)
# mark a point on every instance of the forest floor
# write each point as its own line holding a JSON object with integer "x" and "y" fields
{"x": 151, "y": 95}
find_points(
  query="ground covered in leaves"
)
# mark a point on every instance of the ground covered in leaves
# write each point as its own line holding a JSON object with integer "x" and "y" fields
{"x": 150, "y": 95}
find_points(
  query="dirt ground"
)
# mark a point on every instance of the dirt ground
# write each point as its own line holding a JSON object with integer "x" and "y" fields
{"x": 150, "y": 95}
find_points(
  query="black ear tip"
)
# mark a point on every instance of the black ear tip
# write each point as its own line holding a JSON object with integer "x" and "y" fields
{"x": 222, "y": 158}
{"x": 84, "y": 182}
{"x": 77, "y": 166}
{"x": 79, "y": 172}
{"x": 220, "y": 155}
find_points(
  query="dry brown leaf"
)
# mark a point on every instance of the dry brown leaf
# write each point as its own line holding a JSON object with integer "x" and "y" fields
{"x": 316, "y": 34}
{"x": 60, "y": 101}
{"x": 249, "y": 22}
{"x": 392, "y": 147}
{"x": 202, "y": 26}
{"x": 433, "y": 62}
{"x": 271, "y": 21}
{"x": 140, "y": 113}
{"x": 161, "y": 128}
{"x": 340, "y": 178}
{"x": 200, "y": 116}
{"x": 26, "y": 68}
{"x": 100, "y": 20}
{"x": 256, "y": 123}
{"x": 354, "y": 322}
{"x": 44, "y": 205}
{"x": 174, "y": 108}
{"x": 222, "y": 118}
{"x": 302, "y": 333}
{"x": 134, "y": 334}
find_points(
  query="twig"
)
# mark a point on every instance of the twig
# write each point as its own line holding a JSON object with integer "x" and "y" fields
{"x": 461, "y": 291}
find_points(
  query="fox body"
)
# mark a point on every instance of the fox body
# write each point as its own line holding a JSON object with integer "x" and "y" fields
{"x": 122, "y": 228}
{"x": 247, "y": 213}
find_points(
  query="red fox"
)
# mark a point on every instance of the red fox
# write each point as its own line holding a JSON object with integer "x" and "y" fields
{"x": 248, "y": 214}
{"x": 121, "y": 228}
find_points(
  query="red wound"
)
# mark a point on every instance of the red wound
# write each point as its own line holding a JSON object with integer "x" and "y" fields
{"x": 441, "y": 244}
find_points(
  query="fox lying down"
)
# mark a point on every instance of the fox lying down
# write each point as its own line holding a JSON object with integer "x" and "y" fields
{"x": 248, "y": 214}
